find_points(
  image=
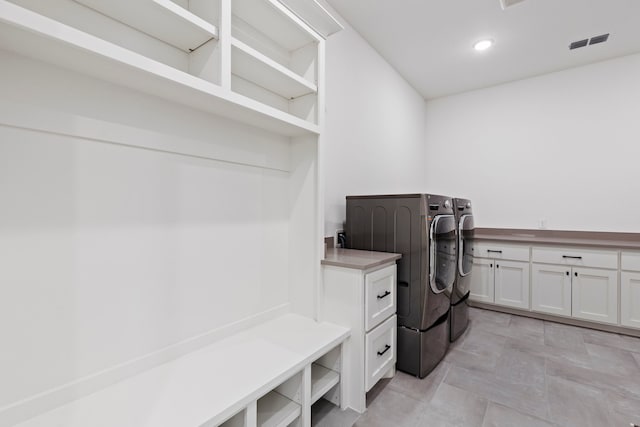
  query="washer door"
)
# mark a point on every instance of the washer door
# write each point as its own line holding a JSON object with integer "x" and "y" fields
{"x": 442, "y": 253}
{"x": 465, "y": 237}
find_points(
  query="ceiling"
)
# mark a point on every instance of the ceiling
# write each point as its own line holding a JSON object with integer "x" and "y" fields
{"x": 430, "y": 42}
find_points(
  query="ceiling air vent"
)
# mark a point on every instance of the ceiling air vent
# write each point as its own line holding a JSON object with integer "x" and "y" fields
{"x": 507, "y": 3}
{"x": 599, "y": 39}
{"x": 579, "y": 43}
{"x": 594, "y": 40}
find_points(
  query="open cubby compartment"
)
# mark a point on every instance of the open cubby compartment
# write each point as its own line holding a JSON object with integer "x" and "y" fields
{"x": 241, "y": 419}
{"x": 182, "y": 34}
{"x": 274, "y": 57}
{"x": 325, "y": 377}
{"x": 283, "y": 405}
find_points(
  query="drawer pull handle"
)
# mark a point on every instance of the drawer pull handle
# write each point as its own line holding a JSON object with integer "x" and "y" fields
{"x": 571, "y": 257}
{"x": 386, "y": 294}
{"x": 491, "y": 250}
{"x": 386, "y": 348}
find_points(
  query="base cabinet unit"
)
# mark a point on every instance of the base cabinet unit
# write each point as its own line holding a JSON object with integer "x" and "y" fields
{"x": 551, "y": 289}
{"x": 575, "y": 286}
{"x": 482, "y": 280}
{"x": 630, "y": 289}
{"x": 503, "y": 278}
{"x": 365, "y": 301}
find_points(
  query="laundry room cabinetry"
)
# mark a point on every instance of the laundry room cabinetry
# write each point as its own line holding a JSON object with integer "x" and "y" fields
{"x": 255, "y": 61}
{"x": 630, "y": 289}
{"x": 579, "y": 283}
{"x": 359, "y": 291}
{"x": 500, "y": 275}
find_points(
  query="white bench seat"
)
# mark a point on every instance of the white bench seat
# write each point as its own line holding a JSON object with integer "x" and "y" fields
{"x": 206, "y": 386}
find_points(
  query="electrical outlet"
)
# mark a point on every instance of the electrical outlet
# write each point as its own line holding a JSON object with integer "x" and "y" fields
{"x": 341, "y": 239}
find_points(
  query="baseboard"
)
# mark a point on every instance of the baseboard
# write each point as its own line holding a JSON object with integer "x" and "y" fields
{"x": 50, "y": 399}
{"x": 558, "y": 319}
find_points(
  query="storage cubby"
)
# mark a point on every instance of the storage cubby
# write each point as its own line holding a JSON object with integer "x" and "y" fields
{"x": 162, "y": 30}
{"x": 275, "y": 410}
{"x": 274, "y": 57}
{"x": 238, "y": 420}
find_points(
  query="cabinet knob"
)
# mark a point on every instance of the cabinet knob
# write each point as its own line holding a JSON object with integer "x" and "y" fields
{"x": 497, "y": 265}
{"x": 575, "y": 274}
{"x": 490, "y": 265}
{"x": 567, "y": 273}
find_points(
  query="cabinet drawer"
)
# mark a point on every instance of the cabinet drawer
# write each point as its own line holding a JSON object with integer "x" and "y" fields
{"x": 500, "y": 251}
{"x": 577, "y": 257}
{"x": 630, "y": 261}
{"x": 380, "y": 351}
{"x": 380, "y": 296}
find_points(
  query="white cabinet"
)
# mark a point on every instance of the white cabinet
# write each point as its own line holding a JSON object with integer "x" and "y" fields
{"x": 568, "y": 286}
{"x": 551, "y": 289}
{"x": 364, "y": 301}
{"x": 512, "y": 283}
{"x": 594, "y": 294}
{"x": 500, "y": 275}
{"x": 482, "y": 283}
{"x": 630, "y": 289}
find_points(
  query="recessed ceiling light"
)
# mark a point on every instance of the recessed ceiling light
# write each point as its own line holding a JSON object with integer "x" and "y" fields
{"x": 483, "y": 44}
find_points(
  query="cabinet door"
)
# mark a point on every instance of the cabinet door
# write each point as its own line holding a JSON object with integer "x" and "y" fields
{"x": 380, "y": 296}
{"x": 551, "y": 289}
{"x": 512, "y": 284}
{"x": 595, "y": 294}
{"x": 630, "y": 299}
{"x": 482, "y": 280}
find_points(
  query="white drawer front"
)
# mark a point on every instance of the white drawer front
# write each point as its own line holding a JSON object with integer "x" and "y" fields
{"x": 631, "y": 261}
{"x": 500, "y": 251}
{"x": 380, "y": 296}
{"x": 380, "y": 351}
{"x": 577, "y": 257}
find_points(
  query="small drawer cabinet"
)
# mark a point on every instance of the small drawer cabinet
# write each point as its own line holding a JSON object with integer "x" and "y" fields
{"x": 364, "y": 299}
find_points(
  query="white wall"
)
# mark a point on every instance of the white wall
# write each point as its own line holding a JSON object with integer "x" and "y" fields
{"x": 110, "y": 253}
{"x": 563, "y": 147}
{"x": 374, "y": 139}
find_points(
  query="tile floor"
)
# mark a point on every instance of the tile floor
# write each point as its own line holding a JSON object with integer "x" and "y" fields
{"x": 511, "y": 371}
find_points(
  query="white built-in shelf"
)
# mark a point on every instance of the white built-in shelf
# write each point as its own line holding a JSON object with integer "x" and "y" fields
{"x": 275, "y": 21}
{"x": 207, "y": 386}
{"x": 31, "y": 34}
{"x": 322, "y": 380}
{"x": 162, "y": 19}
{"x": 252, "y": 65}
{"x": 275, "y": 410}
{"x": 315, "y": 15}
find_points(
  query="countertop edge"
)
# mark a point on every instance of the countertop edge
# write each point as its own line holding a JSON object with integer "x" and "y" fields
{"x": 629, "y": 241}
{"x": 364, "y": 264}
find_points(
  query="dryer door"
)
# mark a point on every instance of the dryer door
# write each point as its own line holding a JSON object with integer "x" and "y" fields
{"x": 465, "y": 238}
{"x": 442, "y": 253}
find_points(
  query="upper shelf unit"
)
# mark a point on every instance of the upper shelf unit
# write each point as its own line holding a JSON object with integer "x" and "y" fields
{"x": 274, "y": 57}
{"x": 315, "y": 15}
{"x": 146, "y": 47}
{"x": 162, "y": 19}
